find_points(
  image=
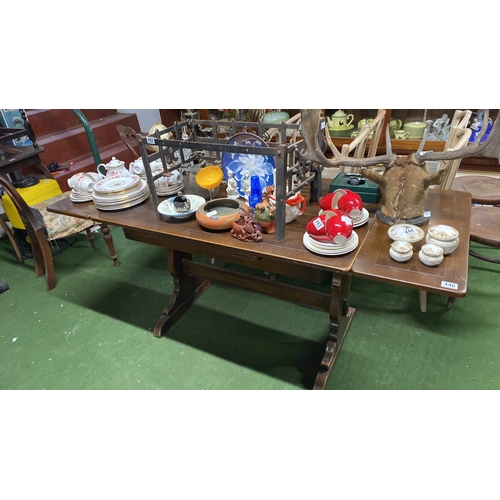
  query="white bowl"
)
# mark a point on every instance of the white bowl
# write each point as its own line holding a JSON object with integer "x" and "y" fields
{"x": 447, "y": 246}
{"x": 401, "y": 251}
{"x": 431, "y": 255}
{"x": 167, "y": 210}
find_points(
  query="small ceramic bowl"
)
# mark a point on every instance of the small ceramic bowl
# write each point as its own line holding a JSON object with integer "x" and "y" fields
{"x": 431, "y": 255}
{"x": 168, "y": 212}
{"x": 401, "y": 251}
{"x": 220, "y": 214}
{"x": 447, "y": 246}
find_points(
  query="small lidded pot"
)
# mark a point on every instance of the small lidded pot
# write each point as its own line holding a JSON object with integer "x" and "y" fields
{"x": 444, "y": 236}
{"x": 431, "y": 255}
{"x": 401, "y": 251}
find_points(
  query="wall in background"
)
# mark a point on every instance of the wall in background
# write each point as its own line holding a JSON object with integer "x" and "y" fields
{"x": 146, "y": 117}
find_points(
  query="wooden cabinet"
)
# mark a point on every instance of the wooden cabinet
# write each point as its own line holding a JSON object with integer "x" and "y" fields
{"x": 407, "y": 146}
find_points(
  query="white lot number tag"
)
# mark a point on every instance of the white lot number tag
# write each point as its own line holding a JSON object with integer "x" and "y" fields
{"x": 318, "y": 223}
{"x": 447, "y": 284}
{"x": 150, "y": 140}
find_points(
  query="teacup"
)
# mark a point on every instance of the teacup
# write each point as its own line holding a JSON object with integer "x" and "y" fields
{"x": 415, "y": 129}
{"x": 364, "y": 121}
{"x": 95, "y": 175}
{"x": 174, "y": 178}
{"x": 401, "y": 134}
{"x": 348, "y": 202}
{"x": 316, "y": 228}
{"x": 162, "y": 183}
{"x": 136, "y": 167}
{"x": 338, "y": 227}
{"x": 395, "y": 124}
{"x": 81, "y": 182}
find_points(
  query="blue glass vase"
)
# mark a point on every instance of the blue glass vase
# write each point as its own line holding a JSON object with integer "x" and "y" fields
{"x": 255, "y": 191}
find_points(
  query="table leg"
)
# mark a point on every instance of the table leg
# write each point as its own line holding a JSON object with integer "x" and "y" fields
{"x": 109, "y": 241}
{"x": 186, "y": 289}
{"x": 340, "y": 321}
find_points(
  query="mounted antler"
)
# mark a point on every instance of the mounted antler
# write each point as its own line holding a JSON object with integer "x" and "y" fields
{"x": 406, "y": 180}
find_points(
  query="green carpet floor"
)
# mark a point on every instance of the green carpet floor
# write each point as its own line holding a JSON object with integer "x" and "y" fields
{"x": 94, "y": 331}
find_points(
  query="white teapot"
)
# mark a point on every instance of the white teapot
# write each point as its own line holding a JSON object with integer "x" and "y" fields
{"x": 115, "y": 168}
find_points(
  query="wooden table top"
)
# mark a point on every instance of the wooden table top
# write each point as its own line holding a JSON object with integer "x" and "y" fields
{"x": 145, "y": 217}
{"x": 452, "y": 208}
{"x": 483, "y": 188}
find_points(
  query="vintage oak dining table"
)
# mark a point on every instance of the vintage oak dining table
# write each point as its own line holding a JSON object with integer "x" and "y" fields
{"x": 259, "y": 266}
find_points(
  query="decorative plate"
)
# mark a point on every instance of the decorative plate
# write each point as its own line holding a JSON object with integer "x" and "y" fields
{"x": 114, "y": 185}
{"x": 406, "y": 232}
{"x": 239, "y": 163}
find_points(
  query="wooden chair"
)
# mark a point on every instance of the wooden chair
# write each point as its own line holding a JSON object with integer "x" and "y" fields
{"x": 357, "y": 148}
{"x": 485, "y": 214}
{"x": 40, "y": 231}
{"x": 128, "y": 136}
{"x": 458, "y": 137}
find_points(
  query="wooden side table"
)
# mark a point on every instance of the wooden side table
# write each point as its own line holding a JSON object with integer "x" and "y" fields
{"x": 448, "y": 278}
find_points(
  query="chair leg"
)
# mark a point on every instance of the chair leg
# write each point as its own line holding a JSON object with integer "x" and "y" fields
{"x": 483, "y": 257}
{"x": 109, "y": 241}
{"x": 42, "y": 255}
{"x": 8, "y": 232}
{"x": 90, "y": 237}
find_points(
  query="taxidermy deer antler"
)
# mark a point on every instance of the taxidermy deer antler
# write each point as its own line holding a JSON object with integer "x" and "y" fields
{"x": 404, "y": 185}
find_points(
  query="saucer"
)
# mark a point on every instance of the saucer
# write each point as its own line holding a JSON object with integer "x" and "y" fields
{"x": 330, "y": 249}
{"x": 362, "y": 219}
{"x": 342, "y": 133}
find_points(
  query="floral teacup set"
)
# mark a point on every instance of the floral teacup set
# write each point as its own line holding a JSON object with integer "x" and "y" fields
{"x": 82, "y": 184}
{"x": 169, "y": 184}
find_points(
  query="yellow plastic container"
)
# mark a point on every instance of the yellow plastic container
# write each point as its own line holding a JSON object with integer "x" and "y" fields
{"x": 46, "y": 188}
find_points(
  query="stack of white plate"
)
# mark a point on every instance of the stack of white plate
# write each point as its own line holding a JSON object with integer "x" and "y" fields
{"x": 121, "y": 192}
{"x": 323, "y": 248}
{"x": 79, "y": 196}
